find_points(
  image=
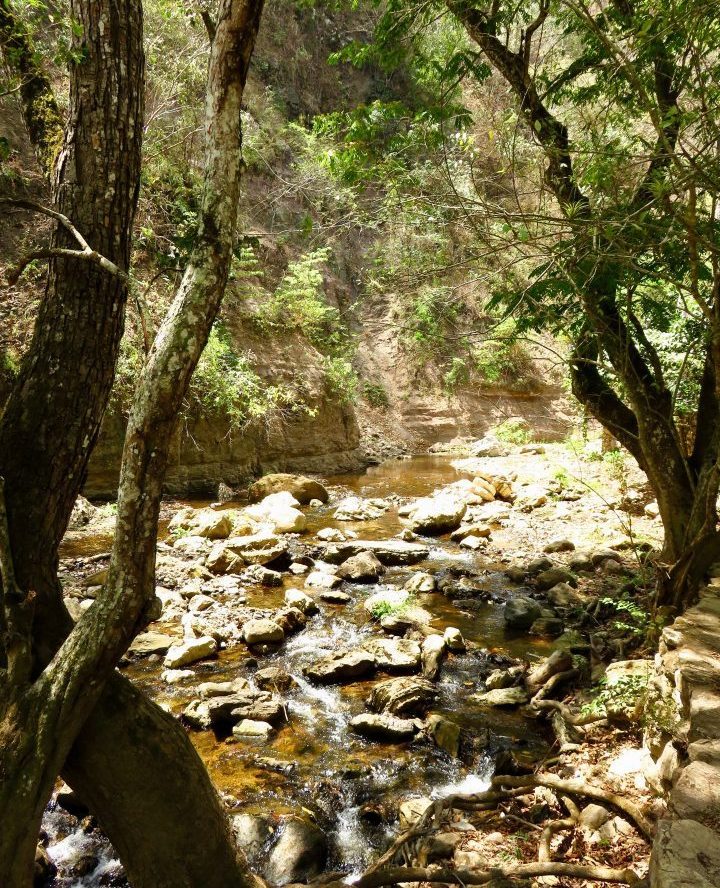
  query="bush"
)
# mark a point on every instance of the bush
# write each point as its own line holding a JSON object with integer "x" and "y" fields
{"x": 513, "y": 431}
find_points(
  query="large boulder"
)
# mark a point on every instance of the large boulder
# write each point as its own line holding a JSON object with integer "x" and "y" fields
{"x": 302, "y": 601}
{"x": 685, "y": 854}
{"x": 299, "y": 486}
{"x": 433, "y": 653}
{"x": 300, "y": 853}
{"x": 546, "y": 579}
{"x": 383, "y": 727}
{"x": 437, "y": 514}
{"x": 489, "y": 446}
{"x": 210, "y": 524}
{"x": 394, "y": 654}
{"x": 403, "y": 696}
{"x": 520, "y": 612}
{"x": 341, "y": 667}
{"x": 502, "y": 697}
{"x": 228, "y": 709}
{"x": 364, "y": 567}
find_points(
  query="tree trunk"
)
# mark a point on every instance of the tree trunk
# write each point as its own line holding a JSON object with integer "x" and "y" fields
{"x": 45, "y": 717}
{"x": 135, "y": 765}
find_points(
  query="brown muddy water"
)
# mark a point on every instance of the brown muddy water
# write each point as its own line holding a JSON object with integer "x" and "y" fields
{"x": 314, "y": 762}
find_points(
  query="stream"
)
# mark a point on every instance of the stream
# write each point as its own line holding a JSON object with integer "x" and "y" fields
{"x": 352, "y": 787}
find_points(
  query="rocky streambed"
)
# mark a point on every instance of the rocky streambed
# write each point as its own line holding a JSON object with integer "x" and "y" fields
{"x": 343, "y": 652}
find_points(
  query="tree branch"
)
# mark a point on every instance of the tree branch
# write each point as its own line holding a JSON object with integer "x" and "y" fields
{"x": 86, "y": 253}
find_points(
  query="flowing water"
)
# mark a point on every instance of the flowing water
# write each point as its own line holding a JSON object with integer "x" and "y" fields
{"x": 352, "y": 787}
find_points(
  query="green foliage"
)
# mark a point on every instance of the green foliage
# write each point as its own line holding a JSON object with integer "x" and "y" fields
{"x": 341, "y": 378}
{"x": 375, "y": 394}
{"x": 513, "y": 431}
{"x": 621, "y": 695}
{"x": 384, "y": 608}
{"x": 631, "y": 617}
{"x": 224, "y": 383}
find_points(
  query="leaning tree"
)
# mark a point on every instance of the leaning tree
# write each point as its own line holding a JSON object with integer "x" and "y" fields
{"x": 618, "y": 241}
{"x": 63, "y": 707}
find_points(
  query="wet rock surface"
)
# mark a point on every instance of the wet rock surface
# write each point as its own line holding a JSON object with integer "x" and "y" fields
{"x": 279, "y": 709}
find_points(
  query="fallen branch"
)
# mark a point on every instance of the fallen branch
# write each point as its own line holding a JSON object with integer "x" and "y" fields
{"x": 85, "y": 253}
{"x": 398, "y": 875}
{"x": 580, "y": 787}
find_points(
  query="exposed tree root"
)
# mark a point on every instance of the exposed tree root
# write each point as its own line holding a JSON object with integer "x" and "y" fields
{"x": 397, "y": 875}
{"x": 580, "y": 787}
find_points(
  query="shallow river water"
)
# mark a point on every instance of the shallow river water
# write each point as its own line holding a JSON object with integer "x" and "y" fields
{"x": 352, "y": 787}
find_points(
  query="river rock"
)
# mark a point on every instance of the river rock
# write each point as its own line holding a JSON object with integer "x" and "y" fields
{"x": 321, "y": 579}
{"x": 546, "y": 579}
{"x": 191, "y": 546}
{"x": 262, "y": 631}
{"x": 420, "y": 582}
{"x": 433, "y": 653}
{"x": 389, "y": 552}
{"x": 252, "y": 833}
{"x": 331, "y": 535}
{"x": 147, "y": 643}
{"x": 559, "y": 546}
{"x": 342, "y": 667}
{"x": 477, "y": 530}
{"x": 248, "y": 727}
{"x": 521, "y": 612}
{"x": 563, "y": 595}
{"x": 436, "y": 514}
{"x": 454, "y": 640}
{"x": 353, "y": 508}
{"x": 82, "y": 514}
{"x": 412, "y": 810}
{"x": 210, "y": 524}
{"x": 303, "y": 489}
{"x": 383, "y": 727}
{"x": 228, "y": 709}
{"x": 394, "y": 654}
{"x": 189, "y": 651}
{"x": 335, "y": 596}
{"x": 299, "y": 854}
{"x": 502, "y": 697}
{"x": 580, "y": 561}
{"x": 273, "y": 678}
{"x": 547, "y": 627}
{"x": 445, "y": 734}
{"x": 263, "y": 576}
{"x": 504, "y": 678}
{"x": 297, "y": 598}
{"x": 402, "y": 696}
{"x": 489, "y": 447}
{"x": 280, "y": 510}
{"x": 538, "y": 565}
{"x": 361, "y": 568}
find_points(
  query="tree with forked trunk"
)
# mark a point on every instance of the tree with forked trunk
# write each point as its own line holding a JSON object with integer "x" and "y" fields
{"x": 62, "y": 706}
{"x": 619, "y": 240}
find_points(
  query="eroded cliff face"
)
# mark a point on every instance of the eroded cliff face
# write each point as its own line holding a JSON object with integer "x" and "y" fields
{"x": 206, "y": 451}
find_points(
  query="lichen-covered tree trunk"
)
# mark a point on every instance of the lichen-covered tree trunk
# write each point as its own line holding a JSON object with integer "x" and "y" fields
{"x": 41, "y": 721}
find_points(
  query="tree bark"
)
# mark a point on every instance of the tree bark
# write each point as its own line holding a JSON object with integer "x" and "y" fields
{"x": 42, "y": 720}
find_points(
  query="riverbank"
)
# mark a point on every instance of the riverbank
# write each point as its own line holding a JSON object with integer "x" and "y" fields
{"x": 335, "y": 773}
